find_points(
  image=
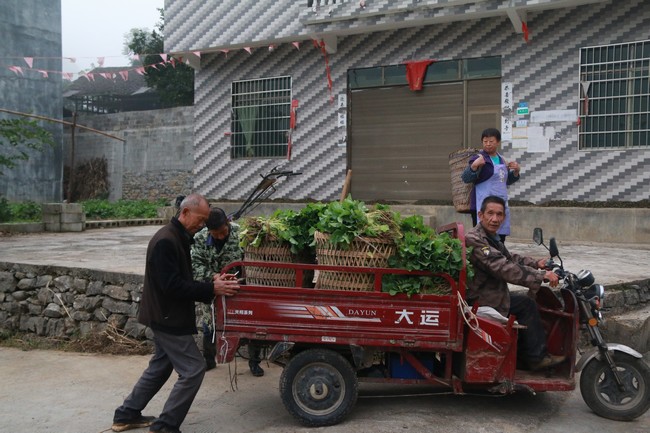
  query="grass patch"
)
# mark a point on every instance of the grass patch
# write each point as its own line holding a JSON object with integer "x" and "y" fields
{"x": 28, "y": 211}
{"x": 109, "y": 341}
{"x": 95, "y": 209}
{"x": 121, "y": 209}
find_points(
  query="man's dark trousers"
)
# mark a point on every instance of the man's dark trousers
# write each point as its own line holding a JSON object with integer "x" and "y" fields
{"x": 172, "y": 352}
{"x": 532, "y": 341}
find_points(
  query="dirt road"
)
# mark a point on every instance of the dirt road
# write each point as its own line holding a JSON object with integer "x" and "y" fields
{"x": 51, "y": 391}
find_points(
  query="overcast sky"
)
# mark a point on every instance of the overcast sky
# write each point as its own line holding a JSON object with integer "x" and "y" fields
{"x": 96, "y": 28}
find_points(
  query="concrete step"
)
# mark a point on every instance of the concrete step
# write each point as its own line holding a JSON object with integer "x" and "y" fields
{"x": 124, "y": 223}
{"x": 631, "y": 328}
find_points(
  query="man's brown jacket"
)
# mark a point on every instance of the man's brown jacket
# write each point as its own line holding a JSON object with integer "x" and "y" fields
{"x": 494, "y": 267}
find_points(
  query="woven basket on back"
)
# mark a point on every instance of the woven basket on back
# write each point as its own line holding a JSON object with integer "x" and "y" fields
{"x": 460, "y": 191}
{"x": 269, "y": 251}
{"x": 368, "y": 252}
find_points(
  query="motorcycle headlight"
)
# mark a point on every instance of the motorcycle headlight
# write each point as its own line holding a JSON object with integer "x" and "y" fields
{"x": 596, "y": 291}
{"x": 585, "y": 278}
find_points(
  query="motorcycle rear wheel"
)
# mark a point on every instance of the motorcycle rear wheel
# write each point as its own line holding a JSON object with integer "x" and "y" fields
{"x": 319, "y": 387}
{"x": 602, "y": 395}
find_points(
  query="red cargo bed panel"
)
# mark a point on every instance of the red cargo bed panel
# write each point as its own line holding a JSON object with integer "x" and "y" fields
{"x": 341, "y": 317}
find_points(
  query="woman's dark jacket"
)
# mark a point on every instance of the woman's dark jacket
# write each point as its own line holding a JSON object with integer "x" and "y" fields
{"x": 169, "y": 290}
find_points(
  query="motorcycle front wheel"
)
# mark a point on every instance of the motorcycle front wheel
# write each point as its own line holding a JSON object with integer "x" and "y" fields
{"x": 601, "y": 393}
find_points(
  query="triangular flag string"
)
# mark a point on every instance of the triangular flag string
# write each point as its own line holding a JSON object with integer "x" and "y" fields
{"x": 167, "y": 59}
{"x": 17, "y": 70}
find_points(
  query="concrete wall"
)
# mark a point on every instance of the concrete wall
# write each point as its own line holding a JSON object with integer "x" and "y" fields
{"x": 610, "y": 225}
{"x": 154, "y": 161}
{"x": 32, "y": 28}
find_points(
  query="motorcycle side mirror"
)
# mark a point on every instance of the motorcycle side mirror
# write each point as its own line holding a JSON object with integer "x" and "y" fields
{"x": 552, "y": 248}
{"x": 538, "y": 238}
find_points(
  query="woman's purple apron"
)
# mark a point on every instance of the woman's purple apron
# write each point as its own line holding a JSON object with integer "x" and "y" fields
{"x": 495, "y": 185}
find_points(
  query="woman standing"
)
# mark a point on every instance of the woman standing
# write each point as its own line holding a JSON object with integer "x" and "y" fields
{"x": 491, "y": 175}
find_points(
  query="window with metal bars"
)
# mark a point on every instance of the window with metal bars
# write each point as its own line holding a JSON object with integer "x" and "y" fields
{"x": 615, "y": 96}
{"x": 261, "y": 110}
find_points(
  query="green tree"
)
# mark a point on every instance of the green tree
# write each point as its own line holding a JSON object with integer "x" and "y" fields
{"x": 173, "y": 81}
{"x": 21, "y": 135}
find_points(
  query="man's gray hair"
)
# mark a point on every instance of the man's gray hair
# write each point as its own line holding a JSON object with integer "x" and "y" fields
{"x": 192, "y": 201}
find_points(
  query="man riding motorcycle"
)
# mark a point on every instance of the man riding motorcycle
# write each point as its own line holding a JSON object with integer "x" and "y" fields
{"x": 494, "y": 268}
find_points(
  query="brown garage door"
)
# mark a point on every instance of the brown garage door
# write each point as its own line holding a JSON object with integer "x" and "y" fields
{"x": 400, "y": 141}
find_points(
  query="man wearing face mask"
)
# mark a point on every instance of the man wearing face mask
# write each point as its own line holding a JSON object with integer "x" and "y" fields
{"x": 214, "y": 247}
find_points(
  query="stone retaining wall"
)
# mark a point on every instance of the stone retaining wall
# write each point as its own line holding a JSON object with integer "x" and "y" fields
{"x": 156, "y": 185}
{"x": 55, "y": 301}
{"x": 68, "y": 302}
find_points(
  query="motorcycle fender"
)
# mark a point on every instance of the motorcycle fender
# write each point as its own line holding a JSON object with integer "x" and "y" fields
{"x": 594, "y": 353}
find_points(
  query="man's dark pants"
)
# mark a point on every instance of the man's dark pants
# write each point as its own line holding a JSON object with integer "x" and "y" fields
{"x": 532, "y": 341}
{"x": 172, "y": 352}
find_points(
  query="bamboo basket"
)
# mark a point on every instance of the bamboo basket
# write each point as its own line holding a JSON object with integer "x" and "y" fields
{"x": 460, "y": 191}
{"x": 269, "y": 251}
{"x": 367, "y": 252}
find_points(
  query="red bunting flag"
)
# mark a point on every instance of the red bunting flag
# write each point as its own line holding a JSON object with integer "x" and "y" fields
{"x": 29, "y": 61}
{"x": 293, "y": 114}
{"x": 328, "y": 74}
{"x": 248, "y": 50}
{"x": 124, "y": 75}
{"x": 67, "y": 76}
{"x": 296, "y": 44}
{"x": 524, "y": 30}
{"x": 17, "y": 70}
{"x": 140, "y": 70}
{"x": 164, "y": 57}
{"x": 43, "y": 73}
{"x": 197, "y": 54}
{"x": 415, "y": 71}
{"x": 225, "y": 52}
